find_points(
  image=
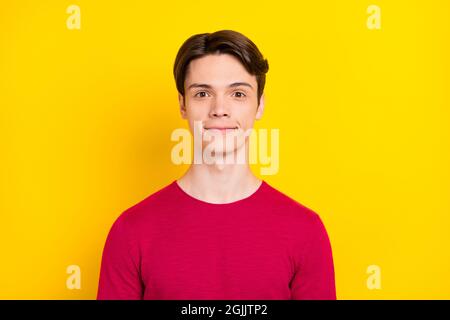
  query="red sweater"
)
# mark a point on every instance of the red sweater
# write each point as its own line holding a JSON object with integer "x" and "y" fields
{"x": 173, "y": 246}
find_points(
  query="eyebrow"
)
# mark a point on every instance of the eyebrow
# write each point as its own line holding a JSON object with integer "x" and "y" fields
{"x": 207, "y": 86}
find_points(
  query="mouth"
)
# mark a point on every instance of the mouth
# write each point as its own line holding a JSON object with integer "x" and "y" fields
{"x": 221, "y": 129}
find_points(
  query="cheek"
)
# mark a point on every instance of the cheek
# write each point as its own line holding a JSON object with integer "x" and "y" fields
{"x": 196, "y": 112}
{"x": 246, "y": 115}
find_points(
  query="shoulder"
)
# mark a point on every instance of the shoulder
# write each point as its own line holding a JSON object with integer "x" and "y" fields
{"x": 150, "y": 207}
{"x": 304, "y": 224}
{"x": 288, "y": 206}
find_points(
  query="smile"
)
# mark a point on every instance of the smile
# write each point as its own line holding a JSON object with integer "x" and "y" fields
{"x": 221, "y": 129}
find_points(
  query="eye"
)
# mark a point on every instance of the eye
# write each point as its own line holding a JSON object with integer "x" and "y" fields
{"x": 201, "y": 94}
{"x": 239, "y": 94}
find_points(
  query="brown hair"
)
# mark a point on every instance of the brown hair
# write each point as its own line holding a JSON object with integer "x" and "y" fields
{"x": 224, "y": 41}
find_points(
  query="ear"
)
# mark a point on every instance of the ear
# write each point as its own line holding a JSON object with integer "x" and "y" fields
{"x": 260, "y": 110}
{"x": 182, "y": 106}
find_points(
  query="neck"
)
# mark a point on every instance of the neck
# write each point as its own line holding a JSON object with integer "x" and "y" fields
{"x": 219, "y": 183}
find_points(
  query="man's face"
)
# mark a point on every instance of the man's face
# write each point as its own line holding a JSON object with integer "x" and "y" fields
{"x": 221, "y": 94}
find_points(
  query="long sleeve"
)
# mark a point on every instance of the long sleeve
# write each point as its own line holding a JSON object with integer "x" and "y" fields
{"x": 119, "y": 273}
{"x": 314, "y": 278}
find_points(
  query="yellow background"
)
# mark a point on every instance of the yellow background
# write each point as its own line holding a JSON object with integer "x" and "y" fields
{"x": 86, "y": 117}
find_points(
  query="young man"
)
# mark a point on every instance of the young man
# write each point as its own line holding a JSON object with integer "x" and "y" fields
{"x": 218, "y": 232}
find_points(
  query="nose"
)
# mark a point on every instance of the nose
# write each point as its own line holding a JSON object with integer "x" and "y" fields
{"x": 219, "y": 109}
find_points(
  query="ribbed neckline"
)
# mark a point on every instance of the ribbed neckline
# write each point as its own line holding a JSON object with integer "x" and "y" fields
{"x": 234, "y": 203}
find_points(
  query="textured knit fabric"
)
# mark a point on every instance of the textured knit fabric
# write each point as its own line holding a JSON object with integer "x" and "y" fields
{"x": 171, "y": 245}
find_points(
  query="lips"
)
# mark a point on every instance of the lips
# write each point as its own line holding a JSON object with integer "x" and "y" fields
{"x": 222, "y": 127}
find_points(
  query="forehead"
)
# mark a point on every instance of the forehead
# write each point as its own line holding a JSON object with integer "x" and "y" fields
{"x": 217, "y": 70}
